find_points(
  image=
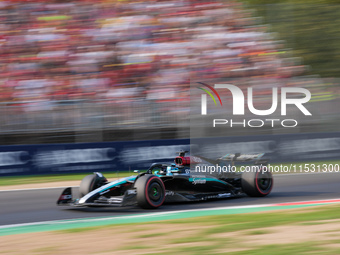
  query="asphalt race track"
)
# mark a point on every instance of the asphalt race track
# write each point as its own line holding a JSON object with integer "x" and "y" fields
{"x": 40, "y": 205}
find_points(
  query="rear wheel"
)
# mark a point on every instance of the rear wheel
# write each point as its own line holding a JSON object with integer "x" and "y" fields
{"x": 257, "y": 183}
{"x": 150, "y": 191}
{"x": 89, "y": 183}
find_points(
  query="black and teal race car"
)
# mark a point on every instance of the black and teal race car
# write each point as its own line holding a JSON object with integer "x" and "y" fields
{"x": 180, "y": 181}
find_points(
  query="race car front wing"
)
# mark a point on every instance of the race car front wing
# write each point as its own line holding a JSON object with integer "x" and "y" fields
{"x": 129, "y": 198}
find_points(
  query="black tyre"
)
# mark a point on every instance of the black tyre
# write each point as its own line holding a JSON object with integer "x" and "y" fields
{"x": 150, "y": 191}
{"x": 89, "y": 183}
{"x": 257, "y": 183}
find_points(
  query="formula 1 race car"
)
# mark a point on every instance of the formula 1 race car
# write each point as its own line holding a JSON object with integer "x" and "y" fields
{"x": 176, "y": 182}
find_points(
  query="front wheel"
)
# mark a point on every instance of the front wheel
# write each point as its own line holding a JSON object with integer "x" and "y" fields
{"x": 150, "y": 191}
{"x": 257, "y": 183}
{"x": 91, "y": 182}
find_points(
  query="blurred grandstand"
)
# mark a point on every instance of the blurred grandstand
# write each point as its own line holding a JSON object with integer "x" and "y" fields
{"x": 84, "y": 71}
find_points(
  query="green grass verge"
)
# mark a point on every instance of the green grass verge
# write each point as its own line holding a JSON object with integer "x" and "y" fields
{"x": 299, "y": 248}
{"x": 207, "y": 235}
{"x": 17, "y": 180}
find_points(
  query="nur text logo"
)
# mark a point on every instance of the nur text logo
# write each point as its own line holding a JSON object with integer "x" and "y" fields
{"x": 301, "y": 97}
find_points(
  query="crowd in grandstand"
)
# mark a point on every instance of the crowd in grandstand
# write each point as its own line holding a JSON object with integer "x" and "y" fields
{"x": 124, "y": 51}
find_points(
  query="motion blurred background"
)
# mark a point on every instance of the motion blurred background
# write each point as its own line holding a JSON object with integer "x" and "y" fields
{"x": 92, "y": 71}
